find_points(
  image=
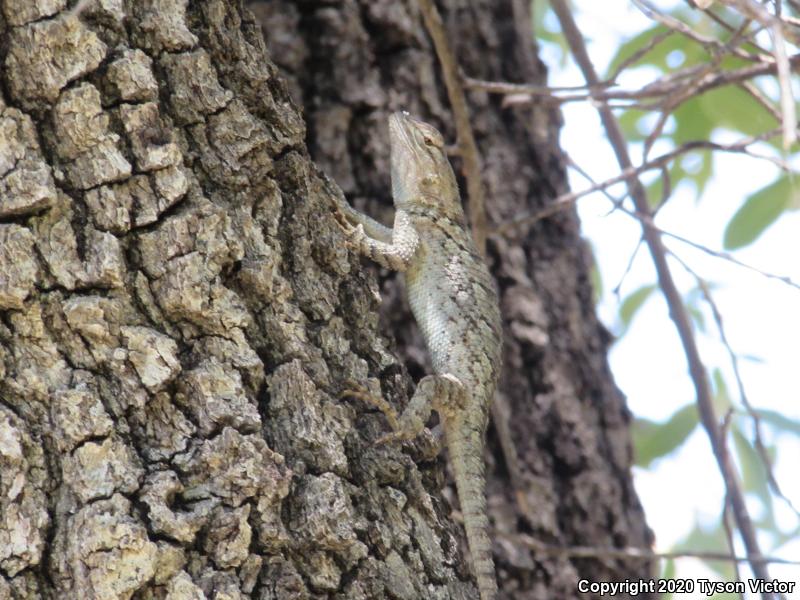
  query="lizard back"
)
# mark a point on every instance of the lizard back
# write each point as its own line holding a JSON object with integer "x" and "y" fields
{"x": 455, "y": 304}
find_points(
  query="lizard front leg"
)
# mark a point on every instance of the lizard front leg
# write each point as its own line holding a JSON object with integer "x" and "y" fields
{"x": 348, "y": 217}
{"x": 395, "y": 255}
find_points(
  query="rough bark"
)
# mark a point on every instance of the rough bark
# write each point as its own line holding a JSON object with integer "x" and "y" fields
{"x": 179, "y": 312}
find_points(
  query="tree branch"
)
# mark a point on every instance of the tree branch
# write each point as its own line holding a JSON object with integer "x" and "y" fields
{"x": 676, "y": 308}
{"x": 643, "y": 553}
{"x": 466, "y": 140}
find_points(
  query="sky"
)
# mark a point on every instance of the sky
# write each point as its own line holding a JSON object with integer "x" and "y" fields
{"x": 760, "y": 315}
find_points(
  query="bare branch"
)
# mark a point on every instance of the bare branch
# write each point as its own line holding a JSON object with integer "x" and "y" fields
{"x": 629, "y": 552}
{"x": 787, "y": 97}
{"x": 759, "y": 97}
{"x": 676, "y": 308}
{"x": 565, "y": 200}
{"x": 713, "y": 45}
{"x": 758, "y": 441}
{"x": 674, "y": 83}
{"x": 648, "y": 222}
{"x": 778, "y": 32}
{"x": 583, "y": 173}
{"x": 634, "y": 58}
{"x": 458, "y": 102}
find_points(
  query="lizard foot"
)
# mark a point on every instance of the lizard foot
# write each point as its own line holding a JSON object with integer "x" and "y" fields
{"x": 353, "y": 232}
{"x": 341, "y": 219}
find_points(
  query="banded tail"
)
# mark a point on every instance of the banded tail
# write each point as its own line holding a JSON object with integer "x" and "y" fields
{"x": 465, "y": 445}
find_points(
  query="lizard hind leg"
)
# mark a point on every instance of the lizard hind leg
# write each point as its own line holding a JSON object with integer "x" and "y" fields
{"x": 359, "y": 392}
{"x": 440, "y": 392}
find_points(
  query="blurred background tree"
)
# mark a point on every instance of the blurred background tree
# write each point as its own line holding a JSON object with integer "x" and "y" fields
{"x": 704, "y": 96}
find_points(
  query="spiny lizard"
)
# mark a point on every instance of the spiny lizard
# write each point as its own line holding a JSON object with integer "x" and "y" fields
{"x": 454, "y": 301}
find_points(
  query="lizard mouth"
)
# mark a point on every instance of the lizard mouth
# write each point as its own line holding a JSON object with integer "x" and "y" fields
{"x": 401, "y": 125}
{"x": 397, "y": 124}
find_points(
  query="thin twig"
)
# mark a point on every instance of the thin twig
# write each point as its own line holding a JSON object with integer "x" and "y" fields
{"x": 677, "y": 310}
{"x": 616, "y": 203}
{"x": 666, "y": 189}
{"x": 787, "y": 97}
{"x": 651, "y": 223}
{"x": 758, "y": 441}
{"x": 778, "y": 32}
{"x": 648, "y": 222}
{"x": 712, "y": 44}
{"x": 583, "y": 173}
{"x": 466, "y": 140}
{"x": 758, "y": 12}
{"x": 565, "y": 200}
{"x": 722, "y": 23}
{"x": 639, "y": 53}
{"x": 758, "y": 96}
{"x": 657, "y": 130}
{"x": 665, "y": 85}
{"x": 629, "y": 552}
{"x": 628, "y": 268}
{"x": 726, "y": 527}
{"x": 501, "y": 418}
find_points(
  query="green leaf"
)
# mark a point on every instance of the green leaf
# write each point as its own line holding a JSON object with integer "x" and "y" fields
{"x": 542, "y": 33}
{"x": 754, "y": 476}
{"x": 729, "y": 107}
{"x": 668, "y": 570}
{"x": 779, "y": 421}
{"x": 697, "y": 316}
{"x": 629, "y": 122}
{"x": 656, "y": 56}
{"x": 721, "y": 398}
{"x": 710, "y": 540}
{"x": 735, "y": 109}
{"x": 653, "y": 440}
{"x": 633, "y": 303}
{"x": 758, "y": 212}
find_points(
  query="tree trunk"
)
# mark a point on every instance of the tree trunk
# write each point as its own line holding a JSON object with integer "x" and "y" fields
{"x": 180, "y": 313}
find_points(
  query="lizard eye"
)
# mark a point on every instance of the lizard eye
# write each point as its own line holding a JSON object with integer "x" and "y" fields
{"x": 428, "y": 141}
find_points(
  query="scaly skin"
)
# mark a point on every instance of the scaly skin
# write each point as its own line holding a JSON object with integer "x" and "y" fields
{"x": 455, "y": 304}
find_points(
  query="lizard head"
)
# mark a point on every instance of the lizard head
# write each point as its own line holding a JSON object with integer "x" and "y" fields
{"x": 421, "y": 174}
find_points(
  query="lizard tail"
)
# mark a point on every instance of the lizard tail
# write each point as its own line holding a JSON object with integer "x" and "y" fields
{"x": 467, "y": 462}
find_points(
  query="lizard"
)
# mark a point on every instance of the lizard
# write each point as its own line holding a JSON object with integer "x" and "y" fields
{"x": 454, "y": 302}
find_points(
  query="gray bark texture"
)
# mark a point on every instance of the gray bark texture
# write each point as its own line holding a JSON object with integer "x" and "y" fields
{"x": 179, "y": 313}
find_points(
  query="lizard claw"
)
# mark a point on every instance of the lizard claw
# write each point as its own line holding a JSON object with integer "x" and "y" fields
{"x": 406, "y": 428}
{"x": 394, "y": 436}
{"x": 341, "y": 219}
{"x": 356, "y": 237}
{"x": 353, "y": 388}
{"x": 354, "y": 232}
